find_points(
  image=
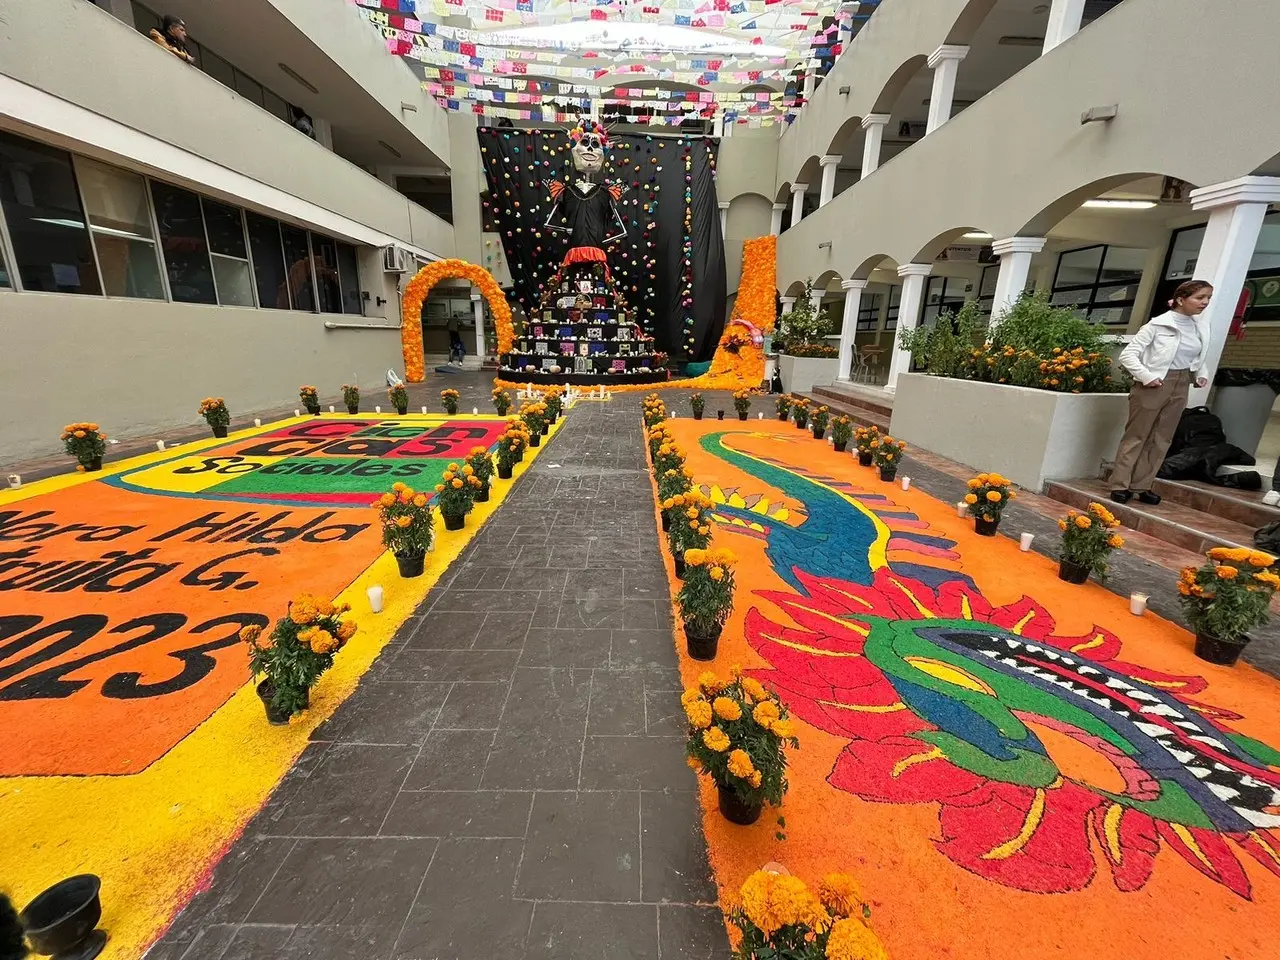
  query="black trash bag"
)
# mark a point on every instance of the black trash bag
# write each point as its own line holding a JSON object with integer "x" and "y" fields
{"x": 1186, "y": 465}
{"x": 1244, "y": 480}
{"x": 1199, "y": 427}
{"x": 1268, "y": 538}
{"x": 1203, "y": 463}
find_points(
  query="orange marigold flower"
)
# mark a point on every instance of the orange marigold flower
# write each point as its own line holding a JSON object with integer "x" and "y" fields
{"x": 716, "y": 739}
{"x": 1227, "y": 573}
{"x": 699, "y": 714}
{"x": 726, "y": 708}
{"x": 740, "y": 764}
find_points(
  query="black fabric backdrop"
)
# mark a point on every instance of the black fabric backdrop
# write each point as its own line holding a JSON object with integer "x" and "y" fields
{"x": 649, "y": 263}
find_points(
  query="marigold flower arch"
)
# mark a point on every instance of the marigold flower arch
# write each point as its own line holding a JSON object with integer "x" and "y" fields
{"x": 415, "y": 294}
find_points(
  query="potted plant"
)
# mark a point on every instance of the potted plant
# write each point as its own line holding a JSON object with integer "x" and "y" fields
{"x": 697, "y": 404}
{"x": 886, "y": 455}
{"x": 1087, "y": 542}
{"x": 821, "y": 417}
{"x": 672, "y": 485}
{"x": 865, "y": 439}
{"x": 516, "y": 425}
{"x": 501, "y": 401}
{"x": 456, "y": 493}
{"x": 510, "y": 445}
{"x": 399, "y": 397}
{"x": 659, "y": 435}
{"x": 1226, "y": 598}
{"x": 706, "y": 598}
{"x": 449, "y": 400}
{"x": 800, "y": 412}
{"x": 784, "y": 407}
{"x": 86, "y": 444}
{"x": 841, "y": 432}
{"x": 989, "y": 494}
{"x": 310, "y": 400}
{"x": 668, "y": 457}
{"x": 298, "y": 650}
{"x": 406, "y": 527}
{"x": 655, "y": 411}
{"x": 553, "y": 397}
{"x": 534, "y": 415}
{"x": 351, "y": 397}
{"x": 214, "y": 411}
{"x": 742, "y": 403}
{"x": 690, "y": 530}
{"x": 779, "y": 917}
{"x": 738, "y": 735}
{"x": 482, "y": 463}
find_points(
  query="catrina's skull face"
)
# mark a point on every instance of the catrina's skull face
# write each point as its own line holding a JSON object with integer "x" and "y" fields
{"x": 588, "y": 153}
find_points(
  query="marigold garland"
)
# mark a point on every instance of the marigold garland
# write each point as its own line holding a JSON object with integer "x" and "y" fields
{"x": 415, "y": 294}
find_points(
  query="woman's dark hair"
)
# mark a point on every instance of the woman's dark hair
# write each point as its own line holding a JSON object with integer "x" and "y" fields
{"x": 1189, "y": 289}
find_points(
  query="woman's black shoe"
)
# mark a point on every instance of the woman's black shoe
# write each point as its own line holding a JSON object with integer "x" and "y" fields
{"x": 1149, "y": 496}
{"x": 1121, "y": 496}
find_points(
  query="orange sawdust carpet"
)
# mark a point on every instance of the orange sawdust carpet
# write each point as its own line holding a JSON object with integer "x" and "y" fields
{"x": 1012, "y": 766}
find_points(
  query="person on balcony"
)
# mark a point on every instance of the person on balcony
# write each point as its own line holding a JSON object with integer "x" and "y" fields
{"x": 174, "y": 38}
{"x": 1165, "y": 359}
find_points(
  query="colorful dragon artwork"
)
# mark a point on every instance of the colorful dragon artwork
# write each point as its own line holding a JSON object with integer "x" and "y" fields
{"x": 1043, "y": 751}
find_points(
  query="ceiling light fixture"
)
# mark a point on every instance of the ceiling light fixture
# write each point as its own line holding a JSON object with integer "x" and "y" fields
{"x": 1120, "y": 204}
{"x": 389, "y": 148}
{"x": 297, "y": 76}
{"x": 977, "y": 235}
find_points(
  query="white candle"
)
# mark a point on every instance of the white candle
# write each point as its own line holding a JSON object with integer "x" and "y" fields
{"x": 1025, "y": 543}
{"x": 331, "y": 410}
{"x": 297, "y": 413}
{"x": 375, "y": 598}
{"x": 1138, "y": 604}
{"x": 159, "y": 444}
{"x": 962, "y": 509}
{"x": 424, "y": 409}
{"x": 759, "y": 416}
{"x": 377, "y": 409}
{"x": 906, "y": 483}
{"x": 257, "y": 421}
{"x": 15, "y": 481}
{"x": 475, "y": 411}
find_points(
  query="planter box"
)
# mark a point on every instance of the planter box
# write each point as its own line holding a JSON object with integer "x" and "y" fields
{"x": 1028, "y": 435}
{"x": 802, "y": 374}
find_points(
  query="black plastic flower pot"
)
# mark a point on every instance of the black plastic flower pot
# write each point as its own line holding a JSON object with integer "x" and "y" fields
{"x": 819, "y": 432}
{"x": 454, "y": 521}
{"x": 680, "y": 565}
{"x": 697, "y": 414}
{"x": 313, "y": 410}
{"x": 802, "y": 424}
{"x": 275, "y": 716}
{"x": 840, "y": 445}
{"x": 984, "y": 527}
{"x": 735, "y": 811}
{"x": 1072, "y": 572}
{"x": 719, "y": 414}
{"x": 91, "y": 466}
{"x": 701, "y": 646}
{"x": 402, "y": 410}
{"x": 666, "y": 522}
{"x": 864, "y": 459}
{"x": 220, "y": 432}
{"x": 60, "y": 921}
{"x": 411, "y": 564}
{"x": 887, "y": 474}
{"x": 784, "y": 417}
{"x": 504, "y": 471}
{"x": 545, "y": 428}
{"x": 482, "y": 495}
{"x": 1224, "y": 653}
{"x": 535, "y": 440}
{"x": 353, "y": 408}
{"x": 451, "y": 409}
{"x": 742, "y": 416}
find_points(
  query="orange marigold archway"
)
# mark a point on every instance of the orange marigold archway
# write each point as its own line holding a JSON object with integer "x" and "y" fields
{"x": 415, "y": 294}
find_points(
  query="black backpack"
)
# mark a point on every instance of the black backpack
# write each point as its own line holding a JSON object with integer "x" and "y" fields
{"x": 1197, "y": 428}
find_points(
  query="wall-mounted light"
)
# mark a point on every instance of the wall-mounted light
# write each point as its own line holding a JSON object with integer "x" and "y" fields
{"x": 844, "y": 91}
{"x": 297, "y": 76}
{"x": 1100, "y": 114}
{"x": 825, "y": 244}
{"x": 406, "y": 107}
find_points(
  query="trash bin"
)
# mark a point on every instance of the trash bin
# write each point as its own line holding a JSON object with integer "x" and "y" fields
{"x": 1243, "y": 402}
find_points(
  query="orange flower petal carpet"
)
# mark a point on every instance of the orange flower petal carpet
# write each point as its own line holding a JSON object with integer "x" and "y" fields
{"x": 1012, "y": 766}
{"x": 135, "y": 746}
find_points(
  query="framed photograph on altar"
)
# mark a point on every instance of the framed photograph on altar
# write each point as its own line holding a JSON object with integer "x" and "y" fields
{"x": 582, "y": 349}
{"x": 537, "y": 331}
{"x": 548, "y": 363}
{"x": 540, "y": 347}
{"x": 595, "y": 333}
{"x": 619, "y": 366}
{"x": 564, "y": 333}
{"x": 548, "y": 316}
{"x": 585, "y": 286}
{"x": 599, "y": 348}
{"x": 566, "y": 348}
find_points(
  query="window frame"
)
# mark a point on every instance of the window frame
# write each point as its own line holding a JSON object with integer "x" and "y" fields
{"x": 6, "y": 255}
{"x": 893, "y": 310}
{"x": 1093, "y": 304}
{"x": 248, "y": 254}
{"x": 151, "y": 221}
{"x": 987, "y": 301}
{"x": 871, "y": 305}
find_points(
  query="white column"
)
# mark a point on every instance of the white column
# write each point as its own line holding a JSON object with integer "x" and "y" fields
{"x": 775, "y": 226}
{"x": 830, "y": 163}
{"x": 1235, "y": 220}
{"x": 846, "y": 25}
{"x": 913, "y": 277}
{"x": 810, "y": 81}
{"x": 1015, "y": 255}
{"x": 815, "y": 301}
{"x": 797, "y": 202}
{"x": 874, "y": 124}
{"x": 787, "y": 304}
{"x": 945, "y": 63}
{"x": 728, "y": 128}
{"x": 717, "y": 125}
{"x": 852, "y": 303}
{"x": 1064, "y": 22}
{"x": 724, "y": 215}
{"x": 477, "y": 309}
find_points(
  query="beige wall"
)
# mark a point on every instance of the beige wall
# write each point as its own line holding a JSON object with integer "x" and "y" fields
{"x": 747, "y": 163}
{"x": 1017, "y": 160}
{"x": 748, "y": 217}
{"x": 139, "y": 366}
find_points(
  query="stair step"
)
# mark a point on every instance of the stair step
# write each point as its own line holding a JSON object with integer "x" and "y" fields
{"x": 868, "y": 398}
{"x": 1173, "y": 522}
{"x": 1242, "y": 506}
{"x": 859, "y": 415}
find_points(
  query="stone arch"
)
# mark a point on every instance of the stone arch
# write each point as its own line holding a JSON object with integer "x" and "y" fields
{"x": 1052, "y": 213}
{"x": 415, "y": 294}
{"x": 897, "y": 82}
{"x": 784, "y": 192}
{"x": 870, "y": 264}
{"x": 845, "y": 134}
{"x": 796, "y": 289}
{"x": 970, "y": 19}
{"x": 930, "y": 251}
{"x": 810, "y": 173}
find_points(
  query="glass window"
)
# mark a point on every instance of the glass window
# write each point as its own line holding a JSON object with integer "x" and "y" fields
{"x": 1122, "y": 264}
{"x": 248, "y": 88}
{"x": 144, "y": 19}
{"x": 275, "y": 105}
{"x": 869, "y": 312}
{"x": 4, "y": 272}
{"x": 1100, "y": 282}
{"x": 987, "y": 289}
{"x": 268, "y": 261}
{"x": 325, "y": 260}
{"x": 41, "y": 203}
{"x": 186, "y": 249}
{"x": 349, "y": 279}
{"x": 225, "y": 229}
{"x": 1185, "y": 253}
{"x": 895, "y": 302}
{"x": 219, "y": 69}
{"x": 120, "y": 221}
{"x": 297, "y": 258}
{"x": 1077, "y": 267}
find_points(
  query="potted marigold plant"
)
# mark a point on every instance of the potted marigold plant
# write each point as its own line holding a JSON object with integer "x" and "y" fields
{"x": 697, "y": 403}
{"x": 399, "y": 397}
{"x": 779, "y": 917}
{"x": 482, "y": 463}
{"x": 841, "y": 432}
{"x": 800, "y": 412}
{"x": 742, "y": 403}
{"x": 215, "y": 413}
{"x": 690, "y": 530}
{"x": 655, "y": 411}
{"x": 821, "y": 417}
{"x": 1087, "y": 542}
{"x": 86, "y": 444}
{"x": 298, "y": 650}
{"x": 706, "y": 599}
{"x": 510, "y": 445}
{"x": 886, "y": 455}
{"x": 406, "y": 527}
{"x": 989, "y": 494}
{"x": 449, "y": 400}
{"x": 667, "y": 457}
{"x": 351, "y": 397}
{"x": 456, "y": 494}
{"x": 534, "y": 416}
{"x": 783, "y": 404}
{"x": 310, "y": 399}
{"x": 1226, "y": 598}
{"x": 501, "y": 401}
{"x": 866, "y": 439}
{"x": 517, "y": 426}
{"x": 658, "y": 435}
{"x": 738, "y": 735}
{"x": 553, "y": 397}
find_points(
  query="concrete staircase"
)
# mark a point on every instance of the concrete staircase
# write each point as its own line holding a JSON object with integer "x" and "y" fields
{"x": 866, "y": 406}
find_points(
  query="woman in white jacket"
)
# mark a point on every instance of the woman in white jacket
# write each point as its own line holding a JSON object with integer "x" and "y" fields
{"x": 1165, "y": 359}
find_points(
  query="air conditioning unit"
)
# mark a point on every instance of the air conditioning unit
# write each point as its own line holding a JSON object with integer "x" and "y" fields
{"x": 396, "y": 260}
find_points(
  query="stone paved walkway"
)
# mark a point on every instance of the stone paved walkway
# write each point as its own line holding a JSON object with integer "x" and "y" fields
{"x": 509, "y": 780}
